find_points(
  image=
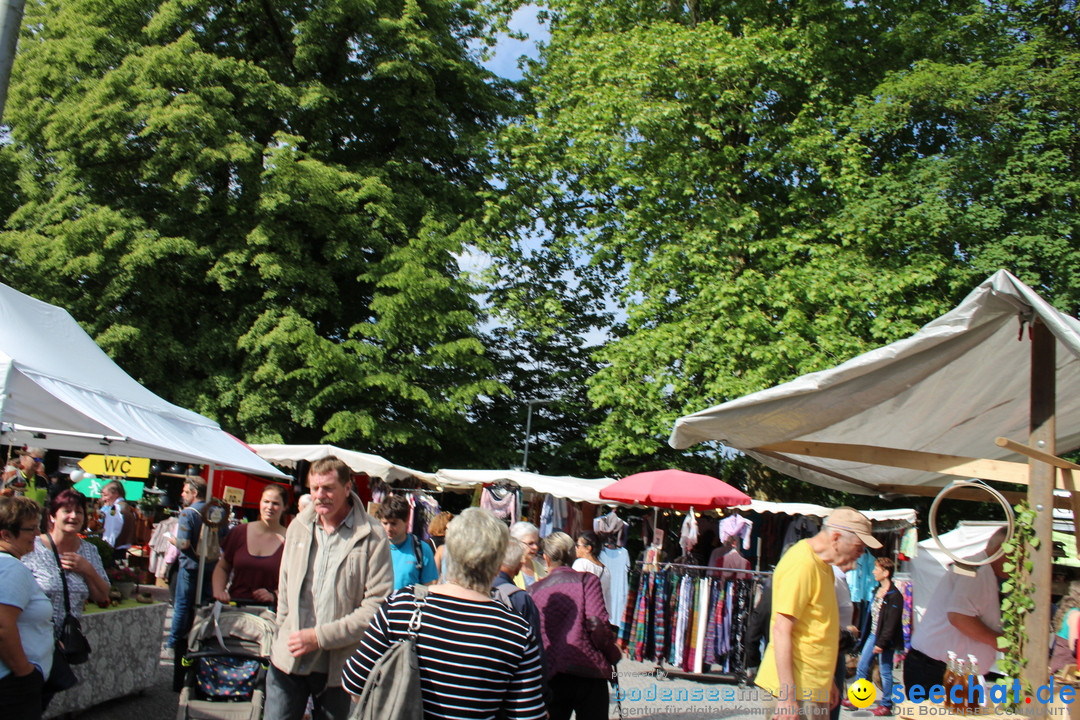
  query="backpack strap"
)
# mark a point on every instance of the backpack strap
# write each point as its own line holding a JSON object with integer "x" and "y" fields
{"x": 419, "y": 554}
{"x": 502, "y": 593}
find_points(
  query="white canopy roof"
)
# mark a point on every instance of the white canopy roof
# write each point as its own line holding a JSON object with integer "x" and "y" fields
{"x": 373, "y": 465}
{"x": 571, "y": 488}
{"x": 907, "y": 515}
{"x": 60, "y": 390}
{"x": 950, "y": 388}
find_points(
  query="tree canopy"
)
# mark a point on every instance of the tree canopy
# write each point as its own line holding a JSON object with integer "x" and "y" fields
{"x": 257, "y": 208}
{"x": 768, "y": 189}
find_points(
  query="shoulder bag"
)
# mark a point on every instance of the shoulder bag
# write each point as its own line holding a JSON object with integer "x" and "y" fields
{"x": 75, "y": 646}
{"x": 599, "y": 633}
{"x": 392, "y": 690}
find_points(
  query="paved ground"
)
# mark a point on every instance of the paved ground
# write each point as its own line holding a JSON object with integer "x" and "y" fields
{"x": 644, "y": 695}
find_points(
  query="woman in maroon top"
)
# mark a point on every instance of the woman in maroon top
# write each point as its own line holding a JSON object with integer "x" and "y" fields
{"x": 251, "y": 554}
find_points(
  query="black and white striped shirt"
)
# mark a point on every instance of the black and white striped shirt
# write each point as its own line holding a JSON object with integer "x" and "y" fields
{"x": 475, "y": 657}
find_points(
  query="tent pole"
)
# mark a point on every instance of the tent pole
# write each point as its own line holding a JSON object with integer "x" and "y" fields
{"x": 1041, "y": 498}
{"x": 202, "y": 549}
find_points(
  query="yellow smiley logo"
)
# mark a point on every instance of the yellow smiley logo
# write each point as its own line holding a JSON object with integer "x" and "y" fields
{"x": 862, "y": 693}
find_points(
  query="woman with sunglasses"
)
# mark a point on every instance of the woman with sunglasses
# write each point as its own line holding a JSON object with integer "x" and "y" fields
{"x": 26, "y": 628}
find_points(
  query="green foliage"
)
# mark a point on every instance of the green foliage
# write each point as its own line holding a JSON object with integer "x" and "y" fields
{"x": 257, "y": 208}
{"x": 757, "y": 191}
{"x": 1019, "y": 594}
{"x": 675, "y": 159}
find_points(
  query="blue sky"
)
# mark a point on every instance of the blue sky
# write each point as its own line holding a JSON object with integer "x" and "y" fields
{"x": 509, "y": 51}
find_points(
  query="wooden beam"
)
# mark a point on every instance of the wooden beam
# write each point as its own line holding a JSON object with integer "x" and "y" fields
{"x": 1074, "y": 497}
{"x": 1043, "y": 433}
{"x": 1034, "y": 454}
{"x": 965, "y": 467}
{"x": 973, "y": 494}
{"x": 823, "y": 471}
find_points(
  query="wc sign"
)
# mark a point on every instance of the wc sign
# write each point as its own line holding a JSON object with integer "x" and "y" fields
{"x": 116, "y": 466}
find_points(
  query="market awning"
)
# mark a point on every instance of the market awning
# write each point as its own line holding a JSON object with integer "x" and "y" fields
{"x": 907, "y": 515}
{"x": 358, "y": 462}
{"x": 950, "y": 389}
{"x": 989, "y": 390}
{"x": 58, "y": 389}
{"x": 562, "y": 486}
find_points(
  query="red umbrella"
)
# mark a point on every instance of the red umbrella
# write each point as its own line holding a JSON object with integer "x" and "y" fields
{"x": 676, "y": 490}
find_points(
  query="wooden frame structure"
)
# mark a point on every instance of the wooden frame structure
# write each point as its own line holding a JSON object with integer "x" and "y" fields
{"x": 1042, "y": 474}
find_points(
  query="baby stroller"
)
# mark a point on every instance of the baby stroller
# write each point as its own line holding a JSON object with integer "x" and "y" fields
{"x": 226, "y": 662}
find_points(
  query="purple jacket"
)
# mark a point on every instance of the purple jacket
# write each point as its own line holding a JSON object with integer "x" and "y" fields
{"x": 564, "y": 598}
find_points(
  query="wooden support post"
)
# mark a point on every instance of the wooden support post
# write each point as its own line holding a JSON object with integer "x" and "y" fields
{"x": 1041, "y": 498}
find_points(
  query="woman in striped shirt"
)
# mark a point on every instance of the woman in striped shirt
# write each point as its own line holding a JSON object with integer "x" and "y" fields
{"x": 477, "y": 658}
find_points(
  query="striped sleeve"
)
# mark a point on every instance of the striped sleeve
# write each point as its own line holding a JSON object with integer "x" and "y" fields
{"x": 524, "y": 698}
{"x": 376, "y": 642}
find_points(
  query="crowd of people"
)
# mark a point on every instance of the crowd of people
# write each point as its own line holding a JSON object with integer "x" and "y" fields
{"x": 507, "y": 626}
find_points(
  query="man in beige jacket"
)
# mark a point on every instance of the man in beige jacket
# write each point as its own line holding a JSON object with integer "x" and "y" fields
{"x": 335, "y": 573}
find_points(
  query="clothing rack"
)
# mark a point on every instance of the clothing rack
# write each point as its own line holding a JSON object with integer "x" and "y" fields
{"x": 701, "y": 629}
{"x": 708, "y": 568}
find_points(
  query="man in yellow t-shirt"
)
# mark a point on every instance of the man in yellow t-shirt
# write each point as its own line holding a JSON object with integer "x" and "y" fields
{"x": 799, "y": 662}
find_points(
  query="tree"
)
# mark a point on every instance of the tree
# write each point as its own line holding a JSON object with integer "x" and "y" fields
{"x": 256, "y": 208}
{"x": 681, "y": 155}
{"x": 972, "y": 155}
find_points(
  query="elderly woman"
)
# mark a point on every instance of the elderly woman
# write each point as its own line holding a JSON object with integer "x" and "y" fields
{"x": 251, "y": 554}
{"x": 477, "y": 658}
{"x": 26, "y": 629}
{"x": 80, "y": 560}
{"x": 577, "y": 671}
{"x": 532, "y": 568}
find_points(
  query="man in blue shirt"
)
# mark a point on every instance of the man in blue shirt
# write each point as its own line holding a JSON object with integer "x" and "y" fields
{"x": 414, "y": 561}
{"x": 188, "y": 529}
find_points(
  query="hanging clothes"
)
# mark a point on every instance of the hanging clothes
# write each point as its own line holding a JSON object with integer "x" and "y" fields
{"x": 617, "y": 562}
{"x": 909, "y": 545}
{"x": 688, "y": 536}
{"x": 738, "y": 527}
{"x": 502, "y": 501}
{"x": 611, "y": 529}
{"x": 861, "y": 580}
{"x": 552, "y": 515}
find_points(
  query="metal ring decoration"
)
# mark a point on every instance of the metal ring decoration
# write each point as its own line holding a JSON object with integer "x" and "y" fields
{"x": 996, "y": 495}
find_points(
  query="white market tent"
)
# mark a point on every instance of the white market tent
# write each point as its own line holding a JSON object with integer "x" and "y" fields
{"x": 358, "y": 462}
{"x": 571, "y": 488}
{"x": 949, "y": 389}
{"x": 60, "y": 390}
{"x": 989, "y": 390}
{"x": 907, "y": 515}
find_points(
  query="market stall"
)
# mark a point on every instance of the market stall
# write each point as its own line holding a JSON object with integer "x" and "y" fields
{"x": 79, "y": 400}
{"x": 125, "y": 657}
{"x": 990, "y": 390}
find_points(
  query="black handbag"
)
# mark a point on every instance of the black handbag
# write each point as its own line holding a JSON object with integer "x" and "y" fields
{"x": 60, "y": 676}
{"x": 72, "y": 643}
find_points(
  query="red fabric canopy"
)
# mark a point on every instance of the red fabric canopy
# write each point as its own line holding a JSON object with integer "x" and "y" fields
{"x": 675, "y": 489}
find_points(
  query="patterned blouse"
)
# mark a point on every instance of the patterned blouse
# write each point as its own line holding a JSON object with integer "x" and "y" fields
{"x": 42, "y": 563}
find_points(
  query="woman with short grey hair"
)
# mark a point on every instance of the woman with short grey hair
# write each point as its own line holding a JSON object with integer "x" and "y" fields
{"x": 577, "y": 672}
{"x": 532, "y": 567}
{"x": 478, "y": 659}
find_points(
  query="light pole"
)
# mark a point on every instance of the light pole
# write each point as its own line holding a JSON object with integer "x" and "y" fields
{"x": 528, "y": 428}
{"x": 11, "y": 13}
